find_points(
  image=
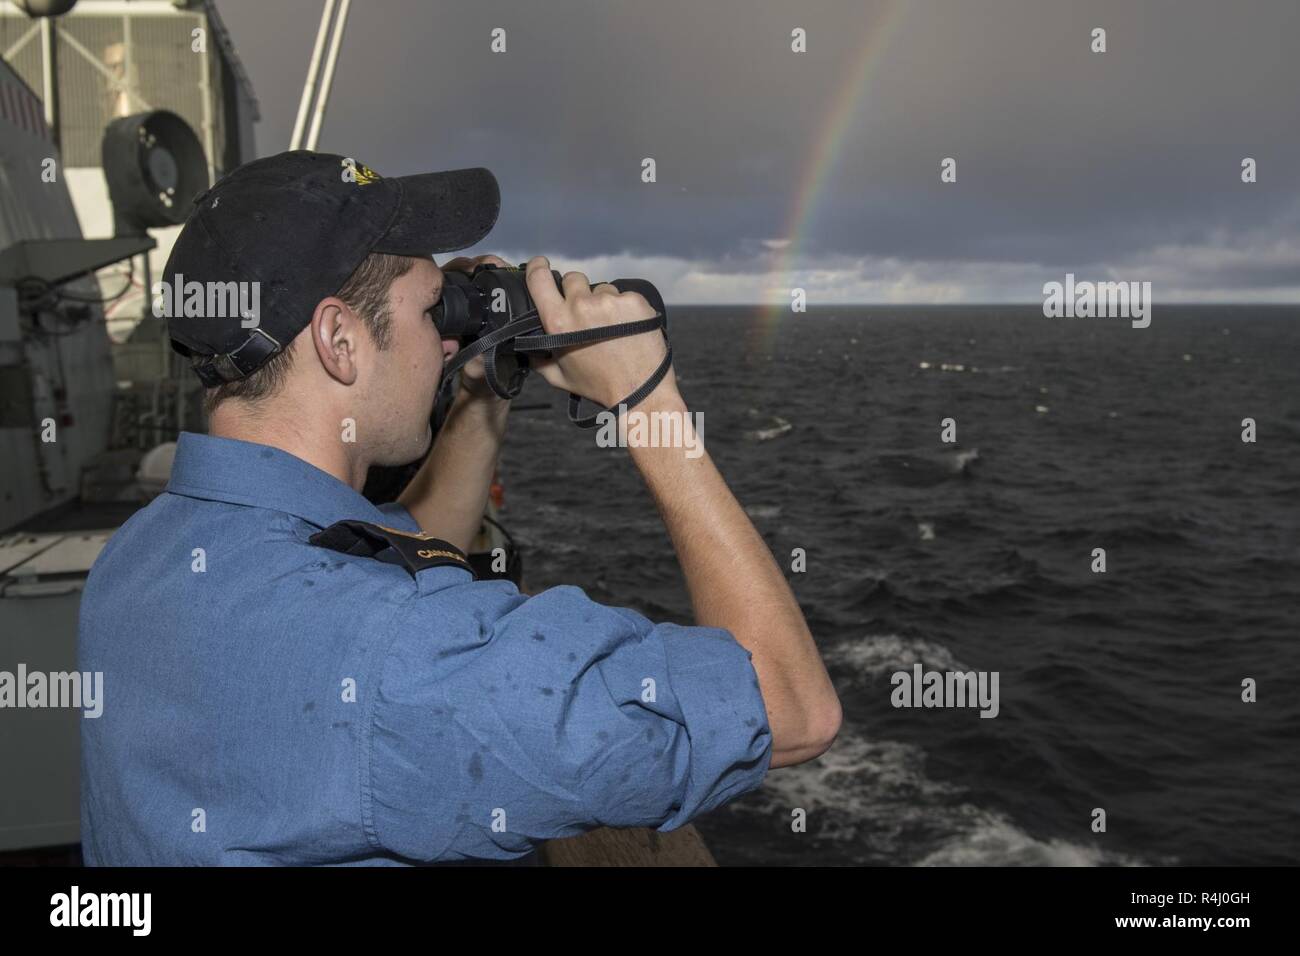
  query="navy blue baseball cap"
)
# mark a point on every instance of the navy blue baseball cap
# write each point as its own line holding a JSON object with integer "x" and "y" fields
{"x": 298, "y": 224}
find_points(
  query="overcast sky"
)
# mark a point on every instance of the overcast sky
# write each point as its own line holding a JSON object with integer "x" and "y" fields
{"x": 821, "y": 169}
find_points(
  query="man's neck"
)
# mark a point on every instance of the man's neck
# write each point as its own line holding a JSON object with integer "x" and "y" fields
{"x": 309, "y": 437}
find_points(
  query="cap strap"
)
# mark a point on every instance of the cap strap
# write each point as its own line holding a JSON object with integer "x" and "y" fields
{"x": 214, "y": 370}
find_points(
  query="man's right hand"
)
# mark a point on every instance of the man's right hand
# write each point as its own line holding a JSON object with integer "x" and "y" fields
{"x": 604, "y": 372}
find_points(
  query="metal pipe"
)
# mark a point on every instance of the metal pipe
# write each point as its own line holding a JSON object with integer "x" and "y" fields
{"x": 335, "y": 42}
{"x": 48, "y": 74}
{"x": 206, "y": 96}
{"x": 313, "y": 71}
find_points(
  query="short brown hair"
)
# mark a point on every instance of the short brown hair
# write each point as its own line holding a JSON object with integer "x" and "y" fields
{"x": 365, "y": 292}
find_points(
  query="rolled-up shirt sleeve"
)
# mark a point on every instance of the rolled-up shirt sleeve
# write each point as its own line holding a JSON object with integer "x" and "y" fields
{"x": 501, "y": 720}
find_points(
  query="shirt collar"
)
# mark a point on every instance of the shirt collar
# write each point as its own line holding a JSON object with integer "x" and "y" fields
{"x": 262, "y": 476}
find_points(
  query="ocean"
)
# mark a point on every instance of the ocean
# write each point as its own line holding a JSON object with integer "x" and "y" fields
{"x": 1120, "y": 691}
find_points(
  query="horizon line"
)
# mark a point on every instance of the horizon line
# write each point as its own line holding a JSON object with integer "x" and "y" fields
{"x": 977, "y": 305}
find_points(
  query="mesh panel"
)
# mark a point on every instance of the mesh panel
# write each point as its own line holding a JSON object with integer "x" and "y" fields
{"x": 172, "y": 76}
{"x": 164, "y": 74}
{"x": 27, "y": 61}
{"x": 87, "y": 97}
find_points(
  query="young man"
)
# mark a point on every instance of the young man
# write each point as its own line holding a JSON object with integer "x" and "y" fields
{"x": 293, "y": 675}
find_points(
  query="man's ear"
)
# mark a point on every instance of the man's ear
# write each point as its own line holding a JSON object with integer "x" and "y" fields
{"x": 335, "y": 333}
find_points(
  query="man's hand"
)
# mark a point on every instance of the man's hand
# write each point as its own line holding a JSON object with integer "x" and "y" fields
{"x": 473, "y": 377}
{"x": 608, "y": 371}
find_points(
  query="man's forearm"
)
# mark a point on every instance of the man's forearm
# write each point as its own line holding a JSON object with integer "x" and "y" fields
{"x": 735, "y": 583}
{"x": 448, "y": 494}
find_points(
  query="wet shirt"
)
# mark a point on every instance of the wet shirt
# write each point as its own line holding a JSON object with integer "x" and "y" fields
{"x": 272, "y": 701}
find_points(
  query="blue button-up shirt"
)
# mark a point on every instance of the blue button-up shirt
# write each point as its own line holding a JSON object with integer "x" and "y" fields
{"x": 269, "y": 701}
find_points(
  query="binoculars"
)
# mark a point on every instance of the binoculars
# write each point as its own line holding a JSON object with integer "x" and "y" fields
{"x": 490, "y": 311}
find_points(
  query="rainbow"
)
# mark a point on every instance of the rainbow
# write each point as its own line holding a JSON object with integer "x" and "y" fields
{"x": 883, "y": 22}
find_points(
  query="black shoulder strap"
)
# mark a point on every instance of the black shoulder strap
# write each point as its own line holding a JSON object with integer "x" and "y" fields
{"x": 415, "y": 552}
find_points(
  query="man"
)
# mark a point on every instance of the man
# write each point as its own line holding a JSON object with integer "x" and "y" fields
{"x": 295, "y": 676}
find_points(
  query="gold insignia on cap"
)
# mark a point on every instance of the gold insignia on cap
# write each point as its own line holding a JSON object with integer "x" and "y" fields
{"x": 359, "y": 173}
{"x": 366, "y": 175}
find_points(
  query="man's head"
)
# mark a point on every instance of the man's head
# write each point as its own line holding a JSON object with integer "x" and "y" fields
{"x": 300, "y": 285}
{"x": 369, "y": 360}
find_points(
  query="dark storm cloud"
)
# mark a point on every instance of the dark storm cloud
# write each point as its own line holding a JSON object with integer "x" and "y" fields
{"x": 1067, "y": 160}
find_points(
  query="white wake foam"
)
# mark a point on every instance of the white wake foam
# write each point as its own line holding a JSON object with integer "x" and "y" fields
{"x": 875, "y": 796}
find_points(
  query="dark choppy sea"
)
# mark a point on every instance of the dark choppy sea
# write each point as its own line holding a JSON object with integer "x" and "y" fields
{"x": 1119, "y": 690}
